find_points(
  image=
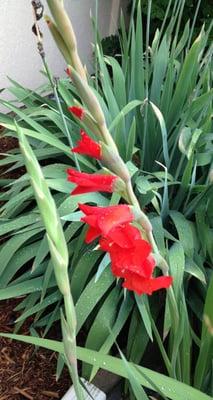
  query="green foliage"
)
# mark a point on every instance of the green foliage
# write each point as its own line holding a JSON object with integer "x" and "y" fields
{"x": 159, "y": 7}
{"x": 171, "y": 388}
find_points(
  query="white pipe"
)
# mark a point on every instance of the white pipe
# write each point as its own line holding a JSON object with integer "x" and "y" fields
{"x": 114, "y": 15}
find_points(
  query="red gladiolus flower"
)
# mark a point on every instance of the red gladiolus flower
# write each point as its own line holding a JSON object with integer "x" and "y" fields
{"x": 68, "y": 71}
{"x": 79, "y": 112}
{"x": 124, "y": 235}
{"x": 91, "y": 182}
{"x": 105, "y": 221}
{"x": 88, "y": 146}
{"x": 136, "y": 259}
{"x": 142, "y": 285}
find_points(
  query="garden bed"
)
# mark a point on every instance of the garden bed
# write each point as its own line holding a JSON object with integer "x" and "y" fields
{"x": 8, "y": 143}
{"x": 26, "y": 373}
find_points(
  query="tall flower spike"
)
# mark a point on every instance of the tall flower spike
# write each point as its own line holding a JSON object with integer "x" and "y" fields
{"x": 58, "y": 38}
{"x": 93, "y": 182}
{"x": 88, "y": 147}
{"x": 105, "y": 220}
{"x": 66, "y": 31}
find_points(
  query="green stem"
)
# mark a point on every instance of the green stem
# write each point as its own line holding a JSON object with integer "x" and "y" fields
{"x": 132, "y": 199}
{"x": 146, "y": 80}
{"x": 70, "y": 311}
{"x": 96, "y": 44}
{"x": 173, "y": 308}
{"x": 165, "y": 18}
{"x": 162, "y": 349}
{"x": 107, "y": 137}
{"x": 193, "y": 25}
{"x": 71, "y": 322}
{"x": 142, "y": 218}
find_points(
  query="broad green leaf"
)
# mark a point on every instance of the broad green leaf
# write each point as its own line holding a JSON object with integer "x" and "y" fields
{"x": 194, "y": 270}
{"x": 20, "y": 258}
{"x": 131, "y": 140}
{"x": 158, "y": 232}
{"x": 91, "y": 296}
{"x": 185, "y": 233}
{"x": 143, "y": 307}
{"x": 102, "y": 266}
{"x": 163, "y": 132}
{"x": 118, "y": 81}
{"x": 23, "y": 288}
{"x": 82, "y": 271}
{"x": 137, "y": 389}
{"x": 183, "y": 41}
{"x": 48, "y": 301}
{"x": 13, "y": 245}
{"x": 204, "y": 362}
{"x": 170, "y": 387}
{"x": 129, "y": 107}
{"x": 70, "y": 204}
{"x": 177, "y": 266}
{"x": 160, "y": 62}
{"x": 43, "y": 250}
{"x": 123, "y": 314}
{"x": 183, "y": 88}
{"x": 104, "y": 320}
{"x": 10, "y": 225}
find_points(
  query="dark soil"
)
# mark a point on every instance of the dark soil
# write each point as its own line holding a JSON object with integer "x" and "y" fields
{"x": 6, "y": 144}
{"x": 24, "y": 372}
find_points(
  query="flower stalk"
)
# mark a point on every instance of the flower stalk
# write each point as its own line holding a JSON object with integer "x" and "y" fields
{"x": 66, "y": 31}
{"x": 58, "y": 39}
{"x": 110, "y": 155}
{"x": 90, "y": 100}
{"x": 59, "y": 254}
{"x": 112, "y": 159}
{"x": 51, "y": 79}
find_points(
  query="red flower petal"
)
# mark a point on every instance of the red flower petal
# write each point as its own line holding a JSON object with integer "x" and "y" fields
{"x": 88, "y": 146}
{"x": 114, "y": 217}
{"x": 90, "y": 220}
{"x": 124, "y": 235}
{"x": 68, "y": 71}
{"x": 106, "y": 219}
{"x": 105, "y": 244}
{"x": 77, "y": 111}
{"x": 142, "y": 285}
{"x": 91, "y": 182}
{"x": 135, "y": 259}
{"x": 92, "y": 234}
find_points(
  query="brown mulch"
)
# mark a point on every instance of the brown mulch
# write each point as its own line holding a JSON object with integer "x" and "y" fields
{"x": 24, "y": 372}
{"x": 8, "y": 143}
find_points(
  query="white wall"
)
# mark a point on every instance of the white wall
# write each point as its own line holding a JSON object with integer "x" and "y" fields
{"x": 18, "y": 53}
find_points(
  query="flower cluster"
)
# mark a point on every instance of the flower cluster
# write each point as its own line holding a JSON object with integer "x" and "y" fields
{"x": 131, "y": 256}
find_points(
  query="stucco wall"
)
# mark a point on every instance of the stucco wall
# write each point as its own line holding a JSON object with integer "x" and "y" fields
{"x": 18, "y": 54}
